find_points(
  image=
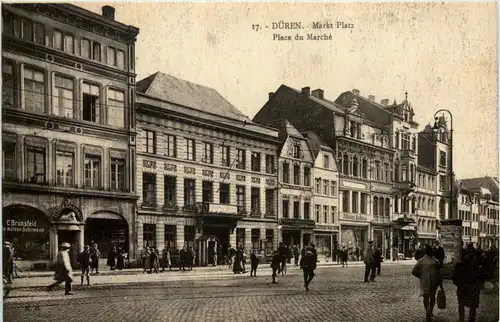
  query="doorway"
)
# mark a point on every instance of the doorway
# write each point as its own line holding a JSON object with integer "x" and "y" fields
{"x": 107, "y": 233}
{"x": 71, "y": 237}
{"x": 222, "y": 234}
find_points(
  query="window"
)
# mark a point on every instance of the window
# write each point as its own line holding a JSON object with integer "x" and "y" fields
{"x": 226, "y": 156}
{"x": 149, "y": 189}
{"x": 64, "y": 168}
{"x": 207, "y": 191}
{"x": 189, "y": 192}
{"x": 345, "y": 164}
{"x": 190, "y": 150}
{"x": 334, "y": 211}
{"x": 34, "y": 90}
{"x": 170, "y": 191}
{"x": 255, "y": 238}
{"x": 118, "y": 174}
{"x": 404, "y": 173}
{"x": 8, "y": 84}
{"x": 96, "y": 51}
{"x": 345, "y": 201}
{"x": 240, "y": 159}
{"x": 35, "y": 159}
{"x": 354, "y": 208}
{"x": 240, "y": 237}
{"x": 355, "y": 166}
{"x": 58, "y": 39}
{"x": 85, "y": 48}
{"x": 286, "y": 172}
{"x": 170, "y": 145}
{"x": 270, "y": 201}
{"x": 269, "y": 238}
{"x": 307, "y": 210}
{"x": 120, "y": 59}
{"x": 111, "y": 56}
{"x": 363, "y": 200}
{"x": 255, "y": 161}
{"x": 285, "y": 208}
{"x": 405, "y": 140}
{"x": 442, "y": 158}
{"x": 326, "y": 162}
{"x": 150, "y": 141}
{"x": 240, "y": 198}
{"x": 255, "y": 200}
{"x": 39, "y": 34}
{"x": 378, "y": 171}
{"x": 116, "y": 108}
{"x": 333, "y": 188}
{"x": 442, "y": 182}
{"x": 318, "y": 186}
{"x": 69, "y": 44}
{"x": 9, "y": 160}
{"x": 149, "y": 235}
{"x": 224, "y": 193}
{"x": 296, "y": 174}
{"x": 64, "y": 96}
{"x": 396, "y": 172}
{"x": 92, "y": 171}
{"x": 91, "y": 106}
{"x": 386, "y": 172}
{"x": 27, "y": 30}
{"x": 296, "y": 209}
{"x": 414, "y": 144}
{"x": 325, "y": 187}
{"x": 325, "y": 214}
{"x": 296, "y": 151}
{"x": 8, "y": 24}
{"x": 318, "y": 211}
{"x": 171, "y": 237}
{"x": 208, "y": 153}
{"x": 396, "y": 204}
{"x": 270, "y": 165}
{"x": 307, "y": 176}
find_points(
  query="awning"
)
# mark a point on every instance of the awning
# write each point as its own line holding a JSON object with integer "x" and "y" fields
{"x": 106, "y": 215}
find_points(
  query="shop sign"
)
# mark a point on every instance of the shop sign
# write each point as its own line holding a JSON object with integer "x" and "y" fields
{"x": 24, "y": 226}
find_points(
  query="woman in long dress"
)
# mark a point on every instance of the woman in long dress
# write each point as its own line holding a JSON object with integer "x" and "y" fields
{"x": 237, "y": 269}
{"x": 112, "y": 258}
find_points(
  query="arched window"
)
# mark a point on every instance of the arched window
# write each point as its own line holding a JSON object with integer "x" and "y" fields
{"x": 442, "y": 209}
{"x": 429, "y": 205}
{"x": 364, "y": 168}
{"x": 424, "y": 203}
{"x": 396, "y": 204}
{"x": 345, "y": 164}
{"x": 387, "y": 207}
{"x": 413, "y": 205}
{"x": 355, "y": 166}
{"x": 412, "y": 173}
{"x": 375, "y": 206}
{"x": 381, "y": 206}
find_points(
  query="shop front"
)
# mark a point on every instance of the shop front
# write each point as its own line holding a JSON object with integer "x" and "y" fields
{"x": 296, "y": 232}
{"x": 107, "y": 229}
{"x": 382, "y": 238}
{"x": 325, "y": 241}
{"x": 355, "y": 240}
{"x": 406, "y": 240}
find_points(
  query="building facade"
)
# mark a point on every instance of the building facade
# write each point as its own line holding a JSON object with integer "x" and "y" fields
{"x": 204, "y": 170}
{"x": 68, "y": 130}
{"x": 325, "y": 198}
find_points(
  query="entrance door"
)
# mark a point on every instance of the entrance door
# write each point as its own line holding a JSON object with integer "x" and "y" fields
{"x": 107, "y": 231}
{"x": 71, "y": 237}
{"x": 222, "y": 234}
{"x": 291, "y": 237}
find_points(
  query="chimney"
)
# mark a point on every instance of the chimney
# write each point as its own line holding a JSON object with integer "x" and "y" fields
{"x": 356, "y": 91}
{"x": 319, "y": 93}
{"x": 371, "y": 97}
{"x": 108, "y": 12}
{"x": 306, "y": 91}
{"x": 384, "y": 102}
{"x": 271, "y": 94}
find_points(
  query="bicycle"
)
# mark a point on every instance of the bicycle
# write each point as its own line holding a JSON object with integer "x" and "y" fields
{"x": 17, "y": 270}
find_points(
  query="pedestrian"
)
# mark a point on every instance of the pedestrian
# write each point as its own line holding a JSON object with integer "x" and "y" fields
{"x": 357, "y": 253}
{"x": 145, "y": 259}
{"x": 191, "y": 257}
{"x": 243, "y": 259}
{"x": 254, "y": 263}
{"x": 95, "y": 255}
{"x": 84, "y": 260}
{"x": 377, "y": 256}
{"x": 296, "y": 255}
{"x": 153, "y": 261}
{"x": 64, "y": 271}
{"x": 427, "y": 270}
{"x": 182, "y": 259}
{"x": 289, "y": 254}
{"x": 308, "y": 265}
{"x": 369, "y": 263}
{"x": 343, "y": 256}
{"x": 275, "y": 264}
{"x": 283, "y": 253}
{"x": 112, "y": 259}
{"x": 8, "y": 261}
{"x": 237, "y": 268}
{"x": 395, "y": 254}
{"x": 468, "y": 276}
{"x": 419, "y": 253}
{"x": 214, "y": 256}
{"x": 439, "y": 253}
{"x": 120, "y": 255}
{"x": 166, "y": 259}
{"x": 230, "y": 256}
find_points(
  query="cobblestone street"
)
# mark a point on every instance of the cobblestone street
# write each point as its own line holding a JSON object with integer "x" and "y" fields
{"x": 336, "y": 295}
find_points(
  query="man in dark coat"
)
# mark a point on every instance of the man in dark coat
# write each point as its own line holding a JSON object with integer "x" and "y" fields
{"x": 308, "y": 265}
{"x": 254, "y": 263}
{"x": 182, "y": 259}
{"x": 343, "y": 256}
{"x": 282, "y": 250}
{"x": 112, "y": 258}
{"x": 275, "y": 264}
{"x": 369, "y": 263}
{"x": 8, "y": 261}
{"x": 377, "y": 255}
{"x": 419, "y": 253}
{"x": 153, "y": 261}
{"x": 439, "y": 254}
{"x": 296, "y": 255}
{"x": 84, "y": 261}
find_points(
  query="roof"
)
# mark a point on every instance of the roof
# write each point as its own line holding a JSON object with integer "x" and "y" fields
{"x": 285, "y": 129}
{"x": 488, "y": 183}
{"x": 326, "y": 103}
{"x": 316, "y": 143}
{"x": 185, "y": 93}
{"x": 372, "y": 110}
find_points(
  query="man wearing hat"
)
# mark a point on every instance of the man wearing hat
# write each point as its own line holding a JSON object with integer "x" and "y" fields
{"x": 84, "y": 260}
{"x": 8, "y": 261}
{"x": 308, "y": 265}
{"x": 63, "y": 269}
{"x": 369, "y": 263}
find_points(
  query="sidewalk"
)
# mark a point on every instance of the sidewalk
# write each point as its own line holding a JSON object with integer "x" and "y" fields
{"x": 135, "y": 276}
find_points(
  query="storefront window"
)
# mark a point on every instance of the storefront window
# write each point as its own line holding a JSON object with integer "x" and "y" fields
{"x": 28, "y": 231}
{"x": 240, "y": 237}
{"x": 323, "y": 246}
{"x": 189, "y": 232}
{"x": 171, "y": 237}
{"x": 149, "y": 235}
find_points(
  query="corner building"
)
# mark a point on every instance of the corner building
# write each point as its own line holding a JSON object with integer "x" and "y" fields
{"x": 68, "y": 139}
{"x": 206, "y": 174}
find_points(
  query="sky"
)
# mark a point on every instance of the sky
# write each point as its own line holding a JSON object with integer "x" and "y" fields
{"x": 443, "y": 54}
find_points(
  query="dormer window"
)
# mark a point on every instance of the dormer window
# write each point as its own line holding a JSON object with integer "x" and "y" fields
{"x": 296, "y": 151}
{"x": 354, "y": 129}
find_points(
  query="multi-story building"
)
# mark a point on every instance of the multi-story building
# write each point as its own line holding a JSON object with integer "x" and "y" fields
{"x": 68, "y": 139}
{"x": 296, "y": 162}
{"x": 205, "y": 172}
{"x": 425, "y": 190}
{"x": 325, "y": 197}
{"x": 477, "y": 206}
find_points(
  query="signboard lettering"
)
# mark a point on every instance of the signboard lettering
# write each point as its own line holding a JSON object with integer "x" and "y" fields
{"x": 23, "y": 226}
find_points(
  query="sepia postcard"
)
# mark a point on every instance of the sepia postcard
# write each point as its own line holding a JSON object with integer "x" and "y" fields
{"x": 250, "y": 161}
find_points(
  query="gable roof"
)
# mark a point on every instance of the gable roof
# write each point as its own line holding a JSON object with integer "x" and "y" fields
{"x": 185, "y": 93}
{"x": 483, "y": 182}
{"x": 285, "y": 129}
{"x": 372, "y": 110}
{"x": 316, "y": 143}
